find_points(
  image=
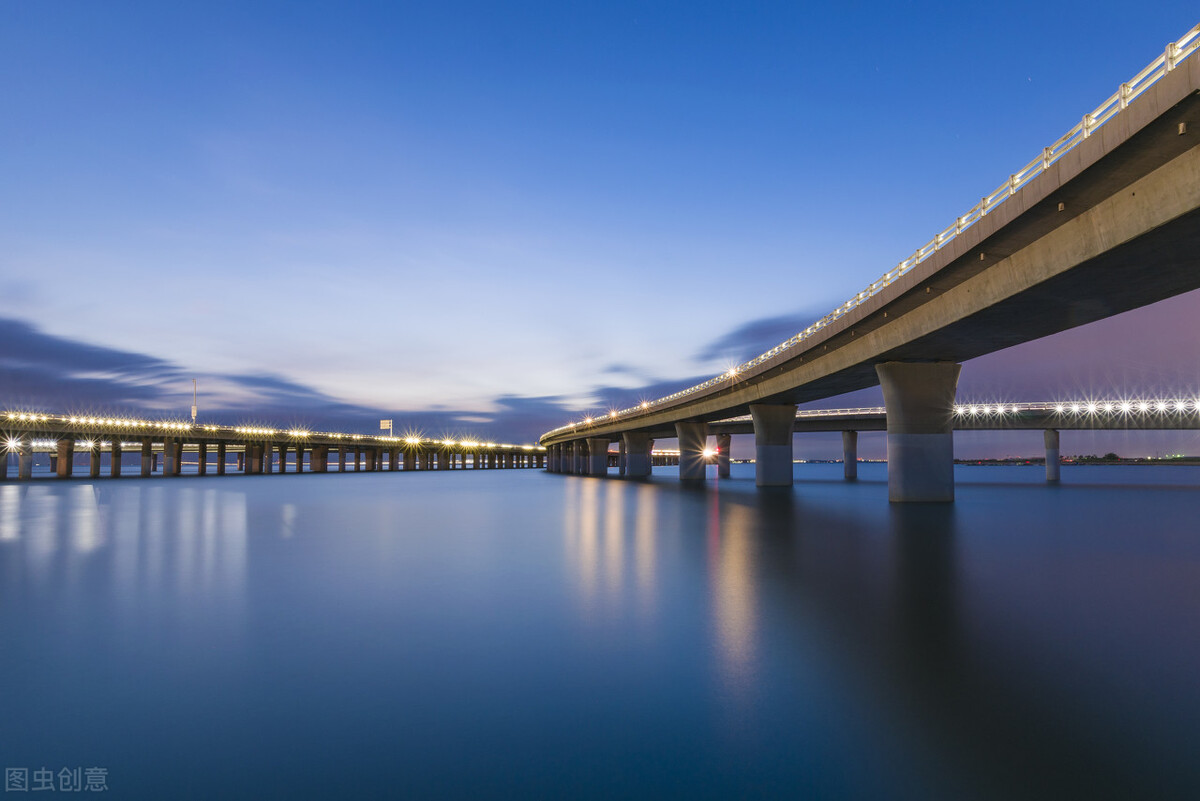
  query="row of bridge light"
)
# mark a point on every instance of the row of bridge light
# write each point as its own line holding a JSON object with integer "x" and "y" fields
{"x": 1176, "y": 52}
{"x": 1091, "y": 407}
{"x": 299, "y": 433}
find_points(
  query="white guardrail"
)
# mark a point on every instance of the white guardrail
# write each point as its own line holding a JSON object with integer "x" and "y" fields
{"x": 1174, "y": 54}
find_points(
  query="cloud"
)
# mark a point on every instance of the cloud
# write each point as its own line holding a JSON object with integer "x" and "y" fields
{"x": 757, "y": 336}
{"x": 23, "y": 347}
{"x": 51, "y": 373}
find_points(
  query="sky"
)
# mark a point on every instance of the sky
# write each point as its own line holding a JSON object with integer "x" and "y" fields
{"x": 490, "y": 218}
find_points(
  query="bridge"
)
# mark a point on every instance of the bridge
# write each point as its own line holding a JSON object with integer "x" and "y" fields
{"x": 1103, "y": 220}
{"x": 592, "y": 457}
{"x": 252, "y": 450}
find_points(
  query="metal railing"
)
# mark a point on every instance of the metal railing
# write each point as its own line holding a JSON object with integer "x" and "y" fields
{"x": 1172, "y": 56}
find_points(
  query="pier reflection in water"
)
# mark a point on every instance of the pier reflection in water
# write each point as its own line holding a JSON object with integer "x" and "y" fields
{"x": 516, "y": 633}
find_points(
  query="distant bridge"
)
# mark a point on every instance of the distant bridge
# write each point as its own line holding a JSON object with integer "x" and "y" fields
{"x": 1104, "y": 220}
{"x": 1050, "y": 417}
{"x": 249, "y": 450}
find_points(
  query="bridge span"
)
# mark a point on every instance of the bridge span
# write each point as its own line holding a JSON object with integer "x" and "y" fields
{"x": 1104, "y": 220}
{"x": 592, "y": 457}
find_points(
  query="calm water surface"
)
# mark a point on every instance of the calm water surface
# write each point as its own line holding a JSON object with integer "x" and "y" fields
{"x": 515, "y": 634}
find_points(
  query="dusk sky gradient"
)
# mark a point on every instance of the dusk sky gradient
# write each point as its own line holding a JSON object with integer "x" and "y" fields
{"x": 490, "y": 218}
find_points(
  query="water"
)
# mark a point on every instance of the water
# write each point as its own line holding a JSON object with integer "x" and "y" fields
{"x": 515, "y": 634}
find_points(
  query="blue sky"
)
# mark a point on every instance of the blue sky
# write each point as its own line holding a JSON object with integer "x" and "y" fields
{"x": 485, "y": 217}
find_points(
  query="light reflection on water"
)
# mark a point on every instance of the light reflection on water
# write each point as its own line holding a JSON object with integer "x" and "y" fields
{"x": 513, "y": 633}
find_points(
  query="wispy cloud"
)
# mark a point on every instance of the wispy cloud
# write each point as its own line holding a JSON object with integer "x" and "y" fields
{"x": 755, "y": 337}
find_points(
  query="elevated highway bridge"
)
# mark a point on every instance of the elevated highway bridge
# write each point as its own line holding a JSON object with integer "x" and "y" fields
{"x": 1104, "y": 220}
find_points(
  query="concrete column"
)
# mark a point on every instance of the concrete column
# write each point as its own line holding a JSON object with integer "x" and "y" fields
{"x": 410, "y": 460}
{"x": 693, "y": 437}
{"x": 300, "y": 458}
{"x": 66, "y": 456}
{"x": 773, "y": 428}
{"x": 168, "y": 453}
{"x": 282, "y": 448}
{"x": 254, "y": 463}
{"x": 357, "y": 459}
{"x": 147, "y": 457}
{"x": 319, "y": 460}
{"x": 850, "y": 455}
{"x": 621, "y": 461}
{"x": 369, "y": 459}
{"x": 114, "y": 458}
{"x": 241, "y": 461}
{"x": 341, "y": 458}
{"x": 919, "y": 398}
{"x": 4, "y": 459}
{"x": 539, "y": 461}
{"x": 1053, "y": 462}
{"x": 597, "y": 461}
{"x": 220, "y": 458}
{"x": 723, "y": 443}
{"x": 25, "y": 459}
{"x": 637, "y": 453}
{"x": 202, "y": 458}
{"x": 94, "y": 460}
{"x": 177, "y": 455}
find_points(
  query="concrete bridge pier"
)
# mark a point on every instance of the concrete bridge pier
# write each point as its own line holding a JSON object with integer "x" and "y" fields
{"x": 410, "y": 460}
{"x": 114, "y": 458}
{"x": 1053, "y": 461}
{"x": 147, "y": 457}
{"x": 919, "y": 398}
{"x": 221, "y": 458}
{"x": 850, "y": 455}
{"x": 241, "y": 461}
{"x": 723, "y": 443}
{"x": 597, "y": 464}
{"x": 202, "y": 458}
{"x": 622, "y": 459}
{"x": 637, "y": 454}
{"x": 693, "y": 437}
{"x": 25, "y": 459}
{"x": 94, "y": 459}
{"x": 65, "y": 449}
{"x": 773, "y": 426}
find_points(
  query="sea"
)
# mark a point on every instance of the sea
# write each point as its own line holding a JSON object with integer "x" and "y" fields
{"x": 500, "y": 634}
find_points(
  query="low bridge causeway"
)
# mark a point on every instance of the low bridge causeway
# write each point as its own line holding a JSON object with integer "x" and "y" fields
{"x": 591, "y": 456}
{"x": 248, "y": 450}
